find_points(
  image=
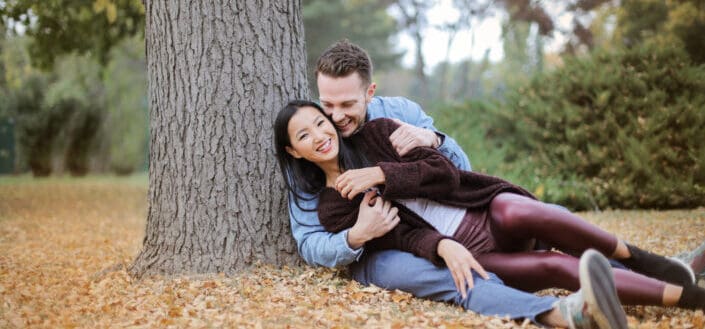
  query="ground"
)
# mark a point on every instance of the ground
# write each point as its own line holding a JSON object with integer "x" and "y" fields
{"x": 65, "y": 245}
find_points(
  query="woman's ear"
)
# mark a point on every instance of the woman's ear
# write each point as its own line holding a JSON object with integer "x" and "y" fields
{"x": 292, "y": 152}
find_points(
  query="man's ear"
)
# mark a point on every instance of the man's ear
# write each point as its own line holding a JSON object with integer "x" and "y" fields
{"x": 370, "y": 92}
{"x": 293, "y": 152}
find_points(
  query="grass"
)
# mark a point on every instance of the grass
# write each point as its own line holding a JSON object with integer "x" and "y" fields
{"x": 27, "y": 179}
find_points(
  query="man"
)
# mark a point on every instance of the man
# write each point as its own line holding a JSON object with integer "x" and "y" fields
{"x": 346, "y": 94}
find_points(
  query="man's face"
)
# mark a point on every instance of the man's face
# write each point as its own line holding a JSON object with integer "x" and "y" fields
{"x": 345, "y": 101}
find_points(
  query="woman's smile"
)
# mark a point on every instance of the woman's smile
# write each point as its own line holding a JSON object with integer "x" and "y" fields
{"x": 325, "y": 147}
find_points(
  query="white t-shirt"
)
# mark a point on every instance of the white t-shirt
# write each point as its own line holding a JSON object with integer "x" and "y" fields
{"x": 444, "y": 218}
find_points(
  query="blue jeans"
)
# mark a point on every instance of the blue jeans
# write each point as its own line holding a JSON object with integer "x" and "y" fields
{"x": 394, "y": 269}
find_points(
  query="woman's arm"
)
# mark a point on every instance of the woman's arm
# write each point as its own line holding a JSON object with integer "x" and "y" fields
{"x": 373, "y": 218}
{"x": 420, "y": 241}
{"x": 422, "y": 172}
{"x": 337, "y": 213}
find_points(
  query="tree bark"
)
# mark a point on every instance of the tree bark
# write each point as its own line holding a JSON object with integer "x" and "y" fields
{"x": 218, "y": 72}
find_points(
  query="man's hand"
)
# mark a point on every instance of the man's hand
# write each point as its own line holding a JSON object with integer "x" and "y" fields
{"x": 460, "y": 261}
{"x": 407, "y": 137}
{"x": 375, "y": 219}
{"x": 355, "y": 181}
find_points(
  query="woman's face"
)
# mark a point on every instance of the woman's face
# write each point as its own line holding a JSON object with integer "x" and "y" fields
{"x": 313, "y": 137}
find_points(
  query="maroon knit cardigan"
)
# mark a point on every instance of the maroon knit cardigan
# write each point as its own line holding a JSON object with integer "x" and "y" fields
{"x": 422, "y": 173}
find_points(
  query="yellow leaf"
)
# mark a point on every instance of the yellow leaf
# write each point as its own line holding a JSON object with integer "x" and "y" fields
{"x": 99, "y": 5}
{"x": 175, "y": 312}
{"x": 109, "y": 7}
{"x": 111, "y": 13}
{"x": 539, "y": 191}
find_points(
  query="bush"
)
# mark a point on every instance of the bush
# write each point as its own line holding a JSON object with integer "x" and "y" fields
{"x": 37, "y": 126}
{"x": 472, "y": 126}
{"x": 627, "y": 126}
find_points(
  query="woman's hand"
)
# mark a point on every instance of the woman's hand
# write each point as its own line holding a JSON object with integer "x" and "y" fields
{"x": 376, "y": 217}
{"x": 355, "y": 181}
{"x": 460, "y": 261}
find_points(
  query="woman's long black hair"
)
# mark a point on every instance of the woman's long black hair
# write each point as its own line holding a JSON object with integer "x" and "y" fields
{"x": 301, "y": 175}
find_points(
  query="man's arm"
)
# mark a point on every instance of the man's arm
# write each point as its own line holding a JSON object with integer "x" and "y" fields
{"x": 411, "y": 113}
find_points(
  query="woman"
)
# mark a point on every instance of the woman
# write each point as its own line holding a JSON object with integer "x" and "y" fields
{"x": 442, "y": 208}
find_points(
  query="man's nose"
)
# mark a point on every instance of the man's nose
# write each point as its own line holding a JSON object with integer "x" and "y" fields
{"x": 337, "y": 115}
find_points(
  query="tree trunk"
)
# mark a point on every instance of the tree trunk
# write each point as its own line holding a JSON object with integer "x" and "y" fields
{"x": 421, "y": 89}
{"x": 218, "y": 73}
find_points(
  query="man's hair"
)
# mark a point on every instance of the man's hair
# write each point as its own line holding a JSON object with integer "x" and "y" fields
{"x": 342, "y": 59}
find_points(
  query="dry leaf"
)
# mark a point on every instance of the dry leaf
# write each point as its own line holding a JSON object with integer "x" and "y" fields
{"x": 66, "y": 246}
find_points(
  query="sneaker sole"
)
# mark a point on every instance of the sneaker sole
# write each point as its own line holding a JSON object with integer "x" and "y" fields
{"x": 695, "y": 260}
{"x": 597, "y": 284}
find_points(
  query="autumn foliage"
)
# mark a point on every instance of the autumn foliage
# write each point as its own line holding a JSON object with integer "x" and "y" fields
{"x": 65, "y": 245}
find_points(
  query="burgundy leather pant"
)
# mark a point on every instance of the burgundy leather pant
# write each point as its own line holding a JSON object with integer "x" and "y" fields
{"x": 515, "y": 220}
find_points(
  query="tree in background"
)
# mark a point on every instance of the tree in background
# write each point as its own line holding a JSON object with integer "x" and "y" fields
{"x": 78, "y": 116}
{"x": 414, "y": 19}
{"x": 81, "y": 124}
{"x": 666, "y": 23}
{"x": 470, "y": 13}
{"x": 58, "y": 27}
{"x": 523, "y": 54}
{"x": 7, "y": 131}
{"x": 364, "y": 22}
{"x": 127, "y": 115}
{"x": 578, "y": 33}
{"x": 79, "y": 90}
{"x": 3, "y": 83}
{"x": 23, "y": 99}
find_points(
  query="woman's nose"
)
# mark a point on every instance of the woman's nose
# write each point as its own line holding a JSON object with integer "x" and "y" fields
{"x": 318, "y": 135}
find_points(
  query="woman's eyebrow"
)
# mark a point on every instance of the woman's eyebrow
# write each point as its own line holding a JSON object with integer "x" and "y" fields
{"x": 304, "y": 128}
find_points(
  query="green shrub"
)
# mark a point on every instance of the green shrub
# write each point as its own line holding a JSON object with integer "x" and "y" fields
{"x": 37, "y": 126}
{"x": 472, "y": 125}
{"x": 625, "y": 128}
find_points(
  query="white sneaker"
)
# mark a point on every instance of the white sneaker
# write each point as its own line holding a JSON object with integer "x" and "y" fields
{"x": 596, "y": 304}
{"x": 695, "y": 260}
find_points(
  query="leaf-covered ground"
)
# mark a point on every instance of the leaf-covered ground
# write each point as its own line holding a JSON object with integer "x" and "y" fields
{"x": 65, "y": 245}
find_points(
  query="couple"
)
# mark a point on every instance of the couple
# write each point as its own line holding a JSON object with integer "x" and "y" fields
{"x": 485, "y": 222}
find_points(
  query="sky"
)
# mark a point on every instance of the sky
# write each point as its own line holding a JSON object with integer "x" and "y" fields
{"x": 487, "y": 34}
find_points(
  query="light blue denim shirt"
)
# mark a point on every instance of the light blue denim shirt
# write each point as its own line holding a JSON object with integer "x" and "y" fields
{"x": 321, "y": 248}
